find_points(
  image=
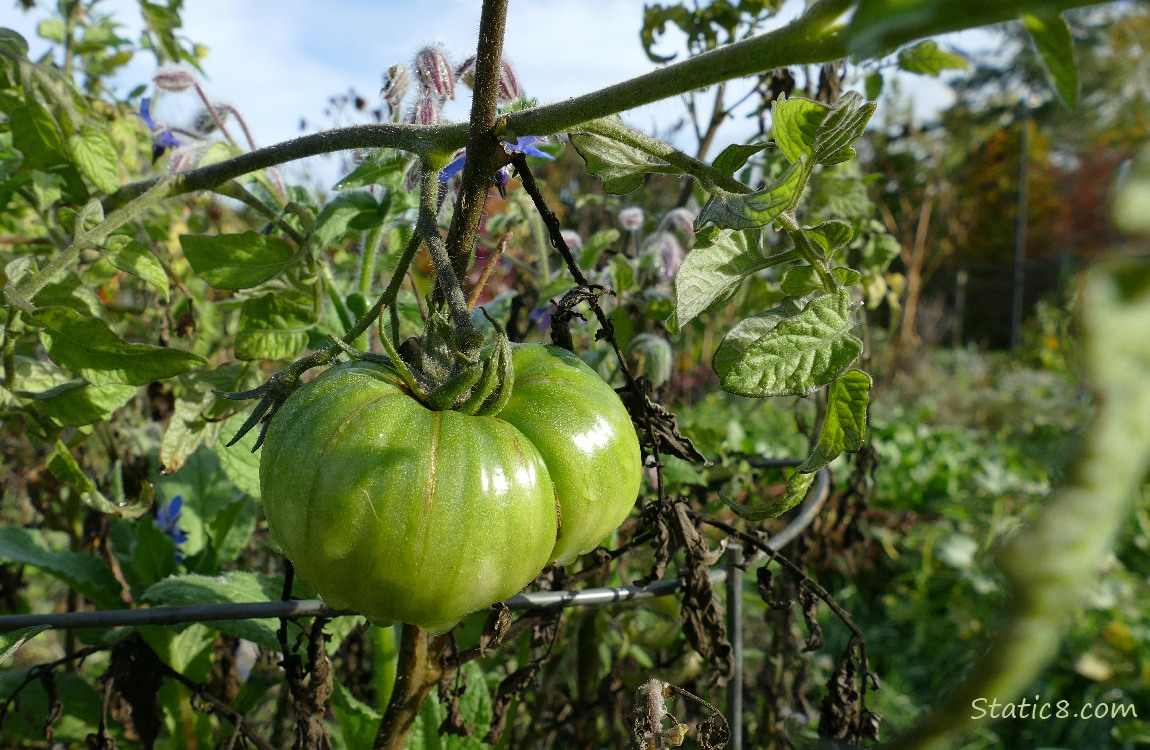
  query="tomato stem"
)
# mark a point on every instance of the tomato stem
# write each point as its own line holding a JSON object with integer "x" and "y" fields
{"x": 419, "y": 670}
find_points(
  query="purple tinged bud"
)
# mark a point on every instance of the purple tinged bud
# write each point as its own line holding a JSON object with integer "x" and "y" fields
{"x": 508, "y": 83}
{"x": 174, "y": 78}
{"x": 398, "y": 82}
{"x": 682, "y": 219}
{"x": 631, "y": 218}
{"x": 667, "y": 252}
{"x": 465, "y": 73}
{"x": 435, "y": 71}
{"x": 426, "y": 109}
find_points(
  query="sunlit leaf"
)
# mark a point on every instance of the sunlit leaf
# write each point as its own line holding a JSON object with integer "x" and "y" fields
{"x": 619, "y": 165}
{"x": 229, "y": 588}
{"x": 776, "y": 506}
{"x": 274, "y": 326}
{"x": 92, "y": 350}
{"x": 236, "y": 261}
{"x": 1051, "y": 36}
{"x": 844, "y": 425}
{"x": 84, "y": 573}
{"x": 927, "y": 58}
{"x": 714, "y": 269}
{"x": 96, "y": 156}
{"x": 133, "y": 257}
{"x": 789, "y": 354}
{"x": 731, "y": 211}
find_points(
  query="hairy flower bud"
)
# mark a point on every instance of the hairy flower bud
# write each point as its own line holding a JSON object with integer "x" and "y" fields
{"x": 573, "y": 240}
{"x": 174, "y": 78}
{"x": 435, "y": 71}
{"x": 667, "y": 253}
{"x": 396, "y": 85}
{"x": 465, "y": 73}
{"x": 682, "y": 219}
{"x": 425, "y": 111}
{"x": 631, "y": 218}
{"x": 508, "y": 83}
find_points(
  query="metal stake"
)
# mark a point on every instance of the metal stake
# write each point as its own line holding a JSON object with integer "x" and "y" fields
{"x": 735, "y": 631}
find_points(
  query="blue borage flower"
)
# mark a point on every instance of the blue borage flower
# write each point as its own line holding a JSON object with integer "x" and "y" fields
{"x": 162, "y": 138}
{"x": 168, "y": 520}
{"x": 524, "y": 145}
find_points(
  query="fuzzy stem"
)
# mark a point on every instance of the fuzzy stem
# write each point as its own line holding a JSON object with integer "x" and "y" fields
{"x": 418, "y": 671}
{"x": 482, "y": 146}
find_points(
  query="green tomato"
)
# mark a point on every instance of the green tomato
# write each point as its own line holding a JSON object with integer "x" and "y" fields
{"x": 403, "y": 513}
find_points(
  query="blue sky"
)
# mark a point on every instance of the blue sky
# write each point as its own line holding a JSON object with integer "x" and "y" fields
{"x": 278, "y": 66}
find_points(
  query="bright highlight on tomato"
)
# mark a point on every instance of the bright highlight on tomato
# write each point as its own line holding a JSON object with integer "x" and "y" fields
{"x": 403, "y": 513}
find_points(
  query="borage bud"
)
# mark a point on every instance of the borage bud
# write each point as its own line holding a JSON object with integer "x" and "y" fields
{"x": 682, "y": 219}
{"x": 667, "y": 253}
{"x": 435, "y": 71}
{"x": 395, "y": 88}
{"x": 572, "y": 238}
{"x": 426, "y": 109}
{"x": 465, "y": 73}
{"x": 508, "y": 83}
{"x": 174, "y": 78}
{"x": 631, "y": 218}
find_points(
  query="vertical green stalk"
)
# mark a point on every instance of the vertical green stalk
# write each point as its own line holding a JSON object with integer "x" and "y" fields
{"x": 371, "y": 244}
{"x": 8, "y": 348}
{"x": 482, "y": 145}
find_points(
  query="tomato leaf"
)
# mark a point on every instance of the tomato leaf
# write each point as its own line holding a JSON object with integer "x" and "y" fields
{"x": 64, "y": 467}
{"x": 927, "y": 58}
{"x": 11, "y": 642}
{"x": 730, "y": 211}
{"x": 1051, "y": 36}
{"x": 796, "y": 490}
{"x": 274, "y": 326}
{"x": 238, "y": 462}
{"x": 236, "y": 261}
{"x": 383, "y": 167}
{"x": 620, "y": 166}
{"x": 733, "y": 157}
{"x": 89, "y": 348}
{"x": 84, "y": 573}
{"x": 715, "y": 268}
{"x": 789, "y": 353}
{"x": 845, "y": 423}
{"x": 228, "y": 588}
{"x": 133, "y": 257}
{"x": 95, "y": 154}
{"x": 803, "y": 127}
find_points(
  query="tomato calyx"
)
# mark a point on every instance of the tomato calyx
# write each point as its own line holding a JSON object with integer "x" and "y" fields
{"x": 443, "y": 377}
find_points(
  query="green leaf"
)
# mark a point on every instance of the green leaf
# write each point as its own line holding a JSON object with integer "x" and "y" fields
{"x": 845, "y": 423}
{"x": 236, "y": 261}
{"x": 52, "y": 29}
{"x": 11, "y": 641}
{"x": 789, "y": 353}
{"x": 1051, "y": 36}
{"x": 800, "y": 281}
{"x": 64, "y": 467}
{"x": 274, "y": 326}
{"x": 187, "y": 430}
{"x": 11, "y": 43}
{"x": 620, "y": 166}
{"x": 91, "y": 349}
{"x": 805, "y": 127}
{"x": 383, "y": 167}
{"x": 337, "y": 216}
{"x": 830, "y": 235}
{"x": 96, "y": 156}
{"x": 71, "y": 402}
{"x": 927, "y": 58}
{"x": 229, "y": 588}
{"x": 358, "y": 722}
{"x": 133, "y": 257}
{"x": 239, "y": 463}
{"x": 153, "y": 554}
{"x": 714, "y": 269}
{"x": 593, "y": 250}
{"x": 84, "y": 573}
{"x": 728, "y": 211}
{"x": 735, "y": 156}
{"x": 35, "y": 135}
{"x": 1132, "y": 197}
{"x": 774, "y": 507}
{"x": 873, "y": 85}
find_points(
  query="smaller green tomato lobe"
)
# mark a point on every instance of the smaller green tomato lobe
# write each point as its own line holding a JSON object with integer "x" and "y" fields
{"x": 586, "y": 438}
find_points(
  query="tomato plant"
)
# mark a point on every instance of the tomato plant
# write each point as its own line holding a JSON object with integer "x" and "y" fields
{"x": 405, "y": 513}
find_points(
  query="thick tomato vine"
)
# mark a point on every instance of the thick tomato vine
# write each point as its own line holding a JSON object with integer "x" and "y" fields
{"x": 404, "y": 513}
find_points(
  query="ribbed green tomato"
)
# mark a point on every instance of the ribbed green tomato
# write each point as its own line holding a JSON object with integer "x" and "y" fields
{"x": 402, "y": 513}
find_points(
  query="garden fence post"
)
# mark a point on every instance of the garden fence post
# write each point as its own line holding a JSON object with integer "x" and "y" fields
{"x": 735, "y": 628}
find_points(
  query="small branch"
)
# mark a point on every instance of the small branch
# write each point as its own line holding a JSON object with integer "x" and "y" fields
{"x": 492, "y": 262}
{"x": 218, "y": 707}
